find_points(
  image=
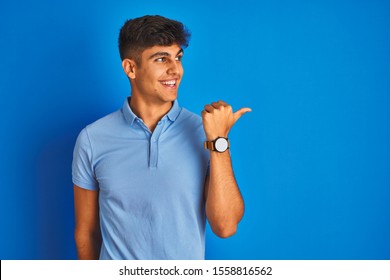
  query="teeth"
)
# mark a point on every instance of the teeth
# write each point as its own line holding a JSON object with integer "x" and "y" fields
{"x": 169, "y": 83}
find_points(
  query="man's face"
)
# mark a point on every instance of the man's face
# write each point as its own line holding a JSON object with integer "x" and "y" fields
{"x": 158, "y": 76}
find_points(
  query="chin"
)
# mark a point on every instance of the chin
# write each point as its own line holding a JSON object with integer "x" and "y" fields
{"x": 171, "y": 97}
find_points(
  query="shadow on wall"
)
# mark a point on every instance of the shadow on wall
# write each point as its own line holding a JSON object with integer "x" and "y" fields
{"x": 55, "y": 199}
{"x": 64, "y": 107}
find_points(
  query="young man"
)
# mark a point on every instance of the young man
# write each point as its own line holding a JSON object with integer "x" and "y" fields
{"x": 143, "y": 182}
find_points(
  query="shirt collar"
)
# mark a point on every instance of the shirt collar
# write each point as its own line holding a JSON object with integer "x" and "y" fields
{"x": 131, "y": 117}
{"x": 174, "y": 112}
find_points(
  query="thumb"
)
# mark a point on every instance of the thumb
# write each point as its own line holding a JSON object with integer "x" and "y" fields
{"x": 238, "y": 114}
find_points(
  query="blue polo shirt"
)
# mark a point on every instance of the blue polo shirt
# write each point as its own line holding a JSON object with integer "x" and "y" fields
{"x": 150, "y": 184}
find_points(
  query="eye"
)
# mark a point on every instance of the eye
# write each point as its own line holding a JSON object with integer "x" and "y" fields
{"x": 179, "y": 58}
{"x": 161, "y": 59}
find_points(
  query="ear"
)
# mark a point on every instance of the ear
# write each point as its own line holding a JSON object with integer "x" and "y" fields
{"x": 129, "y": 67}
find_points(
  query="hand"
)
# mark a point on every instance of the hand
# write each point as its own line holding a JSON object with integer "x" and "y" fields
{"x": 218, "y": 118}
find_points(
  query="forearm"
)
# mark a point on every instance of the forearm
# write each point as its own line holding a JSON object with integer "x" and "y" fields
{"x": 88, "y": 245}
{"x": 224, "y": 203}
{"x": 87, "y": 232}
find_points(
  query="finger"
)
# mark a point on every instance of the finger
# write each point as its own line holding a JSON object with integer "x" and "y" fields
{"x": 208, "y": 108}
{"x": 216, "y": 105}
{"x": 223, "y": 103}
{"x": 238, "y": 114}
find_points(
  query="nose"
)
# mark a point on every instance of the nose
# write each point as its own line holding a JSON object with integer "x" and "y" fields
{"x": 174, "y": 68}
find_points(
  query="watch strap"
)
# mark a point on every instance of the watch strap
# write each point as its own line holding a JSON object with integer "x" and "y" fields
{"x": 209, "y": 145}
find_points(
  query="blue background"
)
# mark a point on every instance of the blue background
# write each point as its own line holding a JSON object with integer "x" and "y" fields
{"x": 312, "y": 159}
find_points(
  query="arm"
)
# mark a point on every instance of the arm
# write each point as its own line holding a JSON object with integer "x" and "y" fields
{"x": 224, "y": 203}
{"x": 87, "y": 232}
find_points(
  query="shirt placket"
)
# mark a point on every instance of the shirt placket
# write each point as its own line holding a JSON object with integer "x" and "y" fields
{"x": 154, "y": 142}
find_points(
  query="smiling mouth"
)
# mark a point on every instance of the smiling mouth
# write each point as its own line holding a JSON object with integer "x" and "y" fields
{"x": 169, "y": 83}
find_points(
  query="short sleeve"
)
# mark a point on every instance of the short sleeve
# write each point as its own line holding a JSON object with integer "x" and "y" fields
{"x": 82, "y": 165}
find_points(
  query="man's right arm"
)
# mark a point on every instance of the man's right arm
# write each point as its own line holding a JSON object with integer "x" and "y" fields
{"x": 87, "y": 233}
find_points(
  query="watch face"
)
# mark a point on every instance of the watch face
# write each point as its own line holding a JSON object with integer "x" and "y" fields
{"x": 221, "y": 144}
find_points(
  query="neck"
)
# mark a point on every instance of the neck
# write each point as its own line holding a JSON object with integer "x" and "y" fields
{"x": 150, "y": 113}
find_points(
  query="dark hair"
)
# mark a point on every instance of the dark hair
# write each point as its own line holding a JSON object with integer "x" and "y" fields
{"x": 141, "y": 33}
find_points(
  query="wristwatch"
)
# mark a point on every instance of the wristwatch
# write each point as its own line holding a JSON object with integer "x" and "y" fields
{"x": 220, "y": 144}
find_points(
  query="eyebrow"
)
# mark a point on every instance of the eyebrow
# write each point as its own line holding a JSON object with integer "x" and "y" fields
{"x": 165, "y": 54}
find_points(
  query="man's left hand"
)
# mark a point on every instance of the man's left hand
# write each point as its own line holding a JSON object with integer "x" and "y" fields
{"x": 218, "y": 118}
